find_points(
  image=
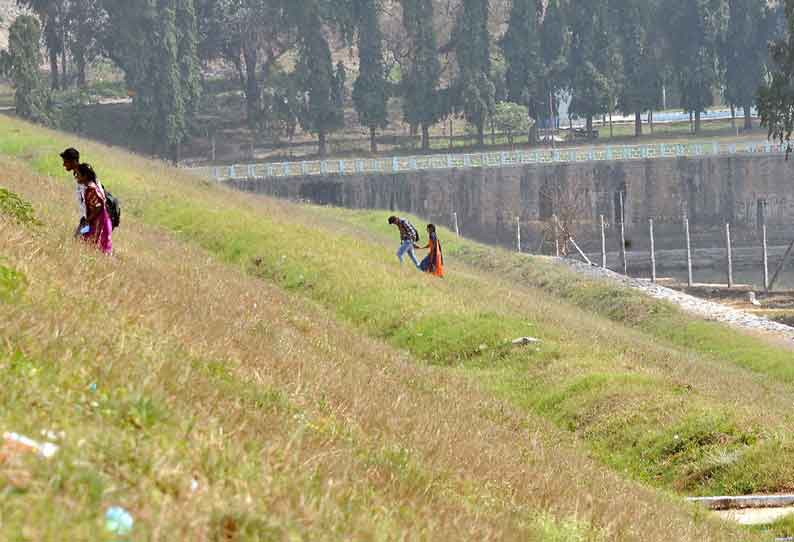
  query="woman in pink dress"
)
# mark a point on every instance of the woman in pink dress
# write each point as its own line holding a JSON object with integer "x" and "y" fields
{"x": 98, "y": 228}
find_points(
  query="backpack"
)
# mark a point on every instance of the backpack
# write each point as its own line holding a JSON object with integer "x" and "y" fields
{"x": 412, "y": 229}
{"x": 113, "y": 206}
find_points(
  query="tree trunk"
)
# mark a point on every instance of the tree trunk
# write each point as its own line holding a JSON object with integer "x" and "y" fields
{"x": 533, "y": 134}
{"x": 637, "y": 124}
{"x": 611, "y": 133}
{"x": 733, "y": 117}
{"x": 650, "y": 120}
{"x": 81, "y": 78}
{"x": 481, "y": 133}
{"x": 238, "y": 66}
{"x": 64, "y": 82}
{"x": 589, "y": 126}
{"x": 176, "y": 152}
{"x": 322, "y": 140}
{"x": 748, "y": 117}
{"x": 54, "y": 78}
{"x": 373, "y": 143}
{"x": 697, "y": 122}
{"x": 425, "y": 137}
{"x": 251, "y": 84}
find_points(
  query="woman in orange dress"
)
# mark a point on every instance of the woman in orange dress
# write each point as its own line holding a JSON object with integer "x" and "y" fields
{"x": 434, "y": 261}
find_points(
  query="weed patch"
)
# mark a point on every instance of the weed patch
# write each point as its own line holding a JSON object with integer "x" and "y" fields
{"x": 12, "y": 284}
{"x": 16, "y": 209}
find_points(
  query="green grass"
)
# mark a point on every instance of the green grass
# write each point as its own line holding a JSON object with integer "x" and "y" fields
{"x": 672, "y": 415}
{"x": 143, "y": 413}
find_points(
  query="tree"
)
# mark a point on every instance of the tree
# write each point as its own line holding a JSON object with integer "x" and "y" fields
{"x": 641, "y": 77}
{"x": 21, "y": 63}
{"x": 323, "y": 90}
{"x": 370, "y": 89}
{"x": 252, "y": 35}
{"x": 52, "y": 14}
{"x": 521, "y": 47}
{"x": 776, "y": 98}
{"x": 695, "y": 27}
{"x": 588, "y": 79}
{"x": 475, "y": 93}
{"x": 83, "y": 19}
{"x": 744, "y": 53}
{"x": 187, "y": 51}
{"x": 511, "y": 118}
{"x": 553, "y": 51}
{"x": 155, "y": 44}
{"x": 422, "y": 104}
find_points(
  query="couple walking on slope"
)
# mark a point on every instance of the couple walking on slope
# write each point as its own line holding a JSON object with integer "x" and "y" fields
{"x": 409, "y": 236}
{"x": 96, "y": 224}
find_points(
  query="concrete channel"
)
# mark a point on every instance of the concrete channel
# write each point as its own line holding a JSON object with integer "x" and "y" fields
{"x": 749, "y": 509}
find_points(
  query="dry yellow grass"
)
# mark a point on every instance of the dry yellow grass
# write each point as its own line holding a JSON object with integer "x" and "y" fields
{"x": 353, "y": 440}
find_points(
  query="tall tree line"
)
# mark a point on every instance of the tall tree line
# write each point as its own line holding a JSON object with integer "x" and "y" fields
{"x": 604, "y": 55}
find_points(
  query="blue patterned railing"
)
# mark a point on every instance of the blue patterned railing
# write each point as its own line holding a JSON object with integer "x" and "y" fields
{"x": 397, "y": 164}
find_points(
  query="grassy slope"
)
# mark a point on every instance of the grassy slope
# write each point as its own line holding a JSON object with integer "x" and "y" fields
{"x": 293, "y": 425}
{"x": 642, "y": 406}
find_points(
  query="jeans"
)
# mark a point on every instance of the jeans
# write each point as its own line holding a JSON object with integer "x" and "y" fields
{"x": 407, "y": 246}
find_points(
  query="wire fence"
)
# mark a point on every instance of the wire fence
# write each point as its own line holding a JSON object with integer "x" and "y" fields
{"x": 398, "y": 164}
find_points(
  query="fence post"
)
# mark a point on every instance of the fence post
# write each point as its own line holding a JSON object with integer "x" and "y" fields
{"x": 556, "y": 236}
{"x": 653, "y": 252}
{"x": 688, "y": 252}
{"x": 623, "y": 236}
{"x": 730, "y": 254}
{"x": 781, "y": 266}
{"x": 766, "y": 257}
{"x": 518, "y": 234}
{"x": 603, "y": 244}
{"x": 455, "y": 220}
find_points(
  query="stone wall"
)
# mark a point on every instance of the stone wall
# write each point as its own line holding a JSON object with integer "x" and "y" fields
{"x": 712, "y": 191}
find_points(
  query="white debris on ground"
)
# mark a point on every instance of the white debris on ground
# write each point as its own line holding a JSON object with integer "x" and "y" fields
{"x": 705, "y": 309}
{"x": 523, "y": 341}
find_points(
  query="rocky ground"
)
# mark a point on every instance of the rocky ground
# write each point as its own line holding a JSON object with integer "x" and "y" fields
{"x": 704, "y": 308}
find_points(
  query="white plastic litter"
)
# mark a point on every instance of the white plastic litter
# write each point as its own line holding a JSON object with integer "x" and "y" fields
{"x": 44, "y": 449}
{"x": 526, "y": 340}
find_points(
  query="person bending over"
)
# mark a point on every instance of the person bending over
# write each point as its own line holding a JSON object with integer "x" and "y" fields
{"x": 408, "y": 237}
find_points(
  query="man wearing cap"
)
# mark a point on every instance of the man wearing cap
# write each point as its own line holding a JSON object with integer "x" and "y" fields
{"x": 71, "y": 161}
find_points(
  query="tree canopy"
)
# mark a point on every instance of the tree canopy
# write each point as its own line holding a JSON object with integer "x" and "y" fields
{"x": 603, "y": 55}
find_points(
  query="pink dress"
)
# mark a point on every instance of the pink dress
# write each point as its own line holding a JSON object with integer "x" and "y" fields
{"x": 101, "y": 232}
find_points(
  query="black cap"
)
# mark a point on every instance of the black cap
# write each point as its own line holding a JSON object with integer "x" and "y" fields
{"x": 71, "y": 154}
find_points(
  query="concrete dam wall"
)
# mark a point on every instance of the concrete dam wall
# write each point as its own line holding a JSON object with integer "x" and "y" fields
{"x": 742, "y": 190}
